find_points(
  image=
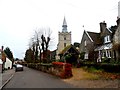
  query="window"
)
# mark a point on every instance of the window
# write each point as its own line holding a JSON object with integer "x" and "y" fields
{"x": 64, "y": 45}
{"x": 107, "y": 39}
{"x": 108, "y": 53}
{"x": 64, "y": 38}
{"x": 104, "y": 54}
{"x": 86, "y": 56}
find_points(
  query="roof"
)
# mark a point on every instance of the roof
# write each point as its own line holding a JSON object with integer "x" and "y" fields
{"x": 95, "y": 37}
{"x": 106, "y": 46}
{"x": 89, "y": 36}
{"x": 67, "y": 48}
{"x": 64, "y": 21}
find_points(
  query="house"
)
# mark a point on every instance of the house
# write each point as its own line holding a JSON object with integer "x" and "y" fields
{"x": 8, "y": 64}
{"x": 116, "y": 41}
{"x": 70, "y": 51}
{"x": 1, "y": 65}
{"x": 3, "y": 57}
{"x": 48, "y": 55}
{"x": 53, "y": 55}
{"x": 104, "y": 51}
{"x": 88, "y": 44}
{"x": 97, "y": 46}
{"x": 45, "y": 56}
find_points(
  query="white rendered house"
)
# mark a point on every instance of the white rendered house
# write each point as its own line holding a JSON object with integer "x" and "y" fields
{"x": 8, "y": 64}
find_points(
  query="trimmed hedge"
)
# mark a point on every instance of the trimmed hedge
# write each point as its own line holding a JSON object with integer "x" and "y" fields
{"x": 113, "y": 68}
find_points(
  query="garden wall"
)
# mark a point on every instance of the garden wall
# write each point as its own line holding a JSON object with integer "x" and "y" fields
{"x": 60, "y": 69}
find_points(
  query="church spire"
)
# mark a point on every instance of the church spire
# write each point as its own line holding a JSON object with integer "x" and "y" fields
{"x": 64, "y": 25}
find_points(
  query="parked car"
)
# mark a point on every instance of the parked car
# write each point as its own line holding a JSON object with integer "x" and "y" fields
{"x": 18, "y": 67}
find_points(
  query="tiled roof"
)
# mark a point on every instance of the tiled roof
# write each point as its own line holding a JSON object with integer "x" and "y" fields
{"x": 67, "y": 48}
{"x": 95, "y": 37}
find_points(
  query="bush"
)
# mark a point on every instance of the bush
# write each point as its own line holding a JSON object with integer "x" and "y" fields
{"x": 66, "y": 69}
{"x": 67, "y": 57}
{"x": 61, "y": 60}
{"x": 92, "y": 69}
{"x": 44, "y": 60}
{"x": 82, "y": 55}
{"x": 108, "y": 67}
{"x": 106, "y": 60}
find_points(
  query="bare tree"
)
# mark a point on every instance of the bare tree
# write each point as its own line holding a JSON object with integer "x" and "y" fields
{"x": 40, "y": 43}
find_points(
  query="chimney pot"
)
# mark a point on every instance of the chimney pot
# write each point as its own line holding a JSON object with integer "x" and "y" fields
{"x": 2, "y": 48}
{"x": 103, "y": 26}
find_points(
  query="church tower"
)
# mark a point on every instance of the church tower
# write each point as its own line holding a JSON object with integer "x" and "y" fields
{"x": 64, "y": 39}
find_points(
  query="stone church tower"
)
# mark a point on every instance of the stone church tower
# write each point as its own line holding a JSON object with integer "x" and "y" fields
{"x": 64, "y": 39}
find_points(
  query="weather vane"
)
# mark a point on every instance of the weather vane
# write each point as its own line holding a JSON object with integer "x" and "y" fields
{"x": 83, "y": 27}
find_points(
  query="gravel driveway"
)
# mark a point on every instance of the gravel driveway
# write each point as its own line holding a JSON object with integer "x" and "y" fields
{"x": 81, "y": 80}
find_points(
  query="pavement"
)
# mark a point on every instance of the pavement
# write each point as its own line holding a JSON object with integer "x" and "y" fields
{"x": 6, "y": 76}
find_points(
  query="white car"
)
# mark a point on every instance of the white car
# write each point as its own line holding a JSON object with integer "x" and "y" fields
{"x": 18, "y": 67}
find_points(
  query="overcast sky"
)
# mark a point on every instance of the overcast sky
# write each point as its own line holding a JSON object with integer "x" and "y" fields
{"x": 19, "y": 19}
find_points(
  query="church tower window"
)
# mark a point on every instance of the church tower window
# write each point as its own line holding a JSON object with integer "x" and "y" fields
{"x": 64, "y": 45}
{"x": 64, "y": 38}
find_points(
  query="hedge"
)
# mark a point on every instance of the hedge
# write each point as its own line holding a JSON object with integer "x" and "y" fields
{"x": 113, "y": 68}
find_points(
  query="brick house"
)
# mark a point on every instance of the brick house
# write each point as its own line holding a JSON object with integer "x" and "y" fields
{"x": 49, "y": 55}
{"x": 3, "y": 57}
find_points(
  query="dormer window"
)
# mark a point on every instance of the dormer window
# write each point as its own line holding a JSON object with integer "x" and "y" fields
{"x": 107, "y": 39}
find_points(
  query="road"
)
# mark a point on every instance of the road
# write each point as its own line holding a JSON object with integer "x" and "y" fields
{"x": 30, "y": 78}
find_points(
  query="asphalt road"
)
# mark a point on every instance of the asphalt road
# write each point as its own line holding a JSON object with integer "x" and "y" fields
{"x": 30, "y": 78}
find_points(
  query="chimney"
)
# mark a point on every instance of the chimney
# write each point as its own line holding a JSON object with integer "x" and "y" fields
{"x": 2, "y": 48}
{"x": 103, "y": 26}
{"x": 118, "y": 21}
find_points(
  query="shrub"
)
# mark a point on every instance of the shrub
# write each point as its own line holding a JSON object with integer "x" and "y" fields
{"x": 44, "y": 60}
{"x": 68, "y": 56}
{"x": 61, "y": 60}
{"x": 106, "y": 60}
{"x": 82, "y": 55}
{"x": 66, "y": 69}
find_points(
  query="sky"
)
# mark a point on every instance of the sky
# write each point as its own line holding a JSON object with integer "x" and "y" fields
{"x": 20, "y": 18}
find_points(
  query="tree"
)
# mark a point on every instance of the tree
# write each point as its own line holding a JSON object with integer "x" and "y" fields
{"x": 29, "y": 56}
{"x": 9, "y": 54}
{"x": 40, "y": 43}
{"x": 76, "y": 44}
